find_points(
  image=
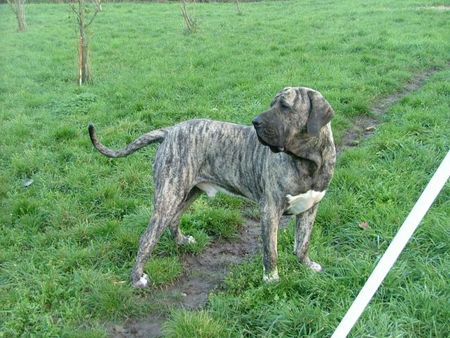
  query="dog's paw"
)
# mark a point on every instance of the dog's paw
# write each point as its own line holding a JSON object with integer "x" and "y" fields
{"x": 142, "y": 282}
{"x": 316, "y": 267}
{"x": 271, "y": 277}
{"x": 186, "y": 240}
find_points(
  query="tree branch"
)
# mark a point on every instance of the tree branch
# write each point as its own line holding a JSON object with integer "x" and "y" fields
{"x": 72, "y": 6}
{"x": 13, "y": 5}
{"x": 93, "y": 17}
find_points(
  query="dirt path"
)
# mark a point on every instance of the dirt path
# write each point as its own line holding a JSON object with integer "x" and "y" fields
{"x": 202, "y": 274}
{"x": 364, "y": 126}
{"x": 205, "y": 272}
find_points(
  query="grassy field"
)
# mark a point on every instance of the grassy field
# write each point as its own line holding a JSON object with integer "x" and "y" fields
{"x": 69, "y": 240}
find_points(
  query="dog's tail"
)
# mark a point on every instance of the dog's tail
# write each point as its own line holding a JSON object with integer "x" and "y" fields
{"x": 146, "y": 139}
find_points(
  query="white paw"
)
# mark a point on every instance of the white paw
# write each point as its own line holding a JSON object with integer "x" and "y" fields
{"x": 186, "y": 240}
{"x": 142, "y": 282}
{"x": 271, "y": 277}
{"x": 190, "y": 240}
{"x": 314, "y": 266}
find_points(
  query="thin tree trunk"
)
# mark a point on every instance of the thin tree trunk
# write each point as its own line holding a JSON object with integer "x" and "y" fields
{"x": 21, "y": 15}
{"x": 85, "y": 73}
{"x": 84, "y": 70}
{"x": 84, "y": 21}
{"x": 18, "y": 7}
{"x": 238, "y": 7}
{"x": 98, "y": 4}
{"x": 191, "y": 24}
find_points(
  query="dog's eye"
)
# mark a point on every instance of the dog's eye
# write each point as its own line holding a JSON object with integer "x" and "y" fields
{"x": 284, "y": 105}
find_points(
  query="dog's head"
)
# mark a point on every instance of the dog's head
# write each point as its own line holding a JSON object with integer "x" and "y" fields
{"x": 295, "y": 113}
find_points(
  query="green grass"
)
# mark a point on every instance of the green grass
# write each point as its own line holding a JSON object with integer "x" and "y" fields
{"x": 164, "y": 270}
{"x": 68, "y": 242}
{"x": 216, "y": 222}
{"x": 193, "y": 324}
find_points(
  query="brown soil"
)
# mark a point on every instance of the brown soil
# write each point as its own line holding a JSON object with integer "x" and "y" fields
{"x": 202, "y": 274}
{"x": 205, "y": 273}
{"x": 364, "y": 126}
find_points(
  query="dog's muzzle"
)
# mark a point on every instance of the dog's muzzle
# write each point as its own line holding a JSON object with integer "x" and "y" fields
{"x": 258, "y": 124}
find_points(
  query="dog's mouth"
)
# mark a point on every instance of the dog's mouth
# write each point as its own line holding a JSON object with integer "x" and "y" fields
{"x": 274, "y": 149}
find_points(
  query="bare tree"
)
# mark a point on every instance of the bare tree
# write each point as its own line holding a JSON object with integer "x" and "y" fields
{"x": 18, "y": 7}
{"x": 238, "y": 7}
{"x": 85, "y": 15}
{"x": 98, "y": 4}
{"x": 189, "y": 20}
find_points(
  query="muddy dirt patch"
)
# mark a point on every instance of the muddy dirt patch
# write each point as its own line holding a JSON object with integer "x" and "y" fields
{"x": 364, "y": 126}
{"x": 202, "y": 275}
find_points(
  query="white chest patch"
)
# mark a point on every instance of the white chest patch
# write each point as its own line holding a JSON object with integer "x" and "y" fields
{"x": 212, "y": 189}
{"x": 301, "y": 203}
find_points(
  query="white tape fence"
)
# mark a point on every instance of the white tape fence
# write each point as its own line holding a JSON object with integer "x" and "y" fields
{"x": 397, "y": 245}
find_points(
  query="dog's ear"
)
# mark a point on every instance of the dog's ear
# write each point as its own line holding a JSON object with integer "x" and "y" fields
{"x": 320, "y": 113}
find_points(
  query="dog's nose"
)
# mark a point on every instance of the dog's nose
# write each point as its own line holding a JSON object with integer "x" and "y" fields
{"x": 257, "y": 122}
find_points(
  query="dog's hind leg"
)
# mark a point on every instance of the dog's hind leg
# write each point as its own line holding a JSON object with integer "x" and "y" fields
{"x": 305, "y": 222}
{"x": 180, "y": 238}
{"x": 165, "y": 211}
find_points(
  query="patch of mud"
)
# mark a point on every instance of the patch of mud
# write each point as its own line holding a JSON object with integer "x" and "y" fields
{"x": 364, "y": 126}
{"x": 142, "y": 328}
{"x": 205, "y": 272}
{"x": 202, "y": 274}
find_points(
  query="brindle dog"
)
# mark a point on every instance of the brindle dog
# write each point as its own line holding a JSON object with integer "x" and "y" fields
{"x": 285, "y": 164}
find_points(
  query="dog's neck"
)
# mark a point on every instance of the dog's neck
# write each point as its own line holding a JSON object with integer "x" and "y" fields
{"x": 320, "y": 151}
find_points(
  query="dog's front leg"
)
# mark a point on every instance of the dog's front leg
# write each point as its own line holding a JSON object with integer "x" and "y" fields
{"x": 270, "y": 220}
{"x": 305, "y": 222}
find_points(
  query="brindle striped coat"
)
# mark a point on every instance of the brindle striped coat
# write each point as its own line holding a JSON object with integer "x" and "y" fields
{"x": 284, "y": 163}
